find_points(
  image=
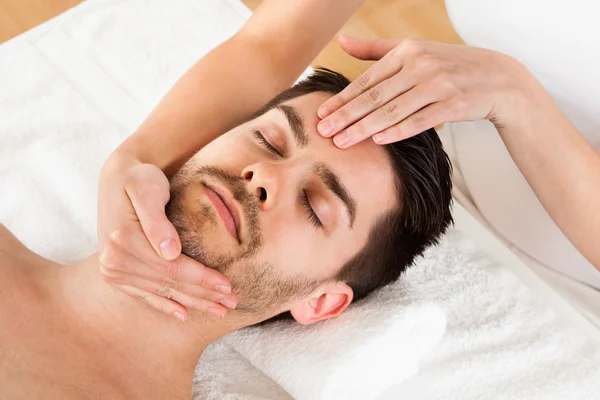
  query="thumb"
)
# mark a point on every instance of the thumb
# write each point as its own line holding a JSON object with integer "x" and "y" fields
{"x": 149, "y": 206}
{"x": 367, "y": 49}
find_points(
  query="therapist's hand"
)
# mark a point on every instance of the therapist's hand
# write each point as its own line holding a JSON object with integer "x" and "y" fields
{"x": 417, "y": 85}
{"x": 140, "y": 250}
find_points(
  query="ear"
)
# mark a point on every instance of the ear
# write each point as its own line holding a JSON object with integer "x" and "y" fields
{"x": 326, "y": 302}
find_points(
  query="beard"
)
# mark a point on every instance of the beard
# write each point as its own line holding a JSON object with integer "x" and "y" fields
{"x": 191, "y": 227}
{"x": 259, "y": 285}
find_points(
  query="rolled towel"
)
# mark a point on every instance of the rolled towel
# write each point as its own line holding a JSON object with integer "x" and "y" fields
{"x": 373, "y": 345}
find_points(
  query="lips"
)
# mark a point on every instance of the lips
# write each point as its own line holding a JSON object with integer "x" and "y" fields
{"x": 226, "y": 210}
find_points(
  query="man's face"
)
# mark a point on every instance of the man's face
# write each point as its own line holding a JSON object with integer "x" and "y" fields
{"x": 277, "y": 208}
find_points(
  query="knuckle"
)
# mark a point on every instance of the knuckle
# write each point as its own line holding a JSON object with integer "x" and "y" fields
{"x": 356, "y": 131}
{"x": 104, "y": 259}
{"x": 170, "y": 283}
{"x": 410, "y": 45}
{"x": 203, "y": 281}
{"x": 107, "y": 274}
{"x": 337, "y": 101}
{"x": 152, "y": 226}
{"x": 459, "y": 104}
{"x": 105, "y": 278}
{"x": 117, "y": 237}
{"x": 363, "y": 81}
{"x": 108, "y": 257}
{"x": 171, "y": 269}
{"x": 374, "y": 96}
{"x": 390, "y": 109}
{"x": 198, "y": 304}
{"x": 394, "y": 133}
{"x": 444, "y": 79}
{"x": 341, "y": 116}
{"x": 418, "y": 120}
{"x": 428, "y": 64}
{"x": 165, "y": 292}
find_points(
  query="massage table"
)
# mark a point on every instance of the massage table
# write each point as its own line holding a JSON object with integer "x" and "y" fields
{"x": 74, "y": 87}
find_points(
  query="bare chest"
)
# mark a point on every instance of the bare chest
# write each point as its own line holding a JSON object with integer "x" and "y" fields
{"x": 37, "y": 371}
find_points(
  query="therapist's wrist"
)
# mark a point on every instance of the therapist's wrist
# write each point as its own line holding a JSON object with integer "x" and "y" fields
{"x": 522, "y": 102}
{"x": 119, "y": 160}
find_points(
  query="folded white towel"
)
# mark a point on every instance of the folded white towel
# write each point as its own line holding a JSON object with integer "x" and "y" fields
{"x": 373, "y": 345}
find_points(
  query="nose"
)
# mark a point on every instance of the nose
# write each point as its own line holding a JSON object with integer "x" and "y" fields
{"x": 264, "y": 180}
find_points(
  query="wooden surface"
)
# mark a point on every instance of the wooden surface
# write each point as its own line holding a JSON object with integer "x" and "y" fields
{"x": 375, "y": 18}
{"x": 426, "y": 19}
{"x": 18, "y": 16}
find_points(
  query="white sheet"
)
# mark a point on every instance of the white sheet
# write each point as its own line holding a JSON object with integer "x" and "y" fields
{"x": 583, "y": 297}
{"x": 73, "y": 89}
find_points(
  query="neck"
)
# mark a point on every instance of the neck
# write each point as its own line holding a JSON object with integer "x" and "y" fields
{"x": 140, "y": 339}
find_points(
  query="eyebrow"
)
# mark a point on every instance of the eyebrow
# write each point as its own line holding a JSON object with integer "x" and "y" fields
{"x": 333, "y": 183}
{"x": 296, "y": 124}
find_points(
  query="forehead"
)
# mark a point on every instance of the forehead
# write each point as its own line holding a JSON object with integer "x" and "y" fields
{"x": 363, "y": 168}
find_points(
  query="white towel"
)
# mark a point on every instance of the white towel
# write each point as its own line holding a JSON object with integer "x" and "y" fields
{"x": 502, "y": 340}
{"x": 224, "y": 374}
{"x": 367, "y": 349}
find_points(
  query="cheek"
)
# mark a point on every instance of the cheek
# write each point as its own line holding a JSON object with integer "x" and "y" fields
{"x": 295, "y": 248}
{"x": 229, "y": 152}
{"x": 287, "y": 244}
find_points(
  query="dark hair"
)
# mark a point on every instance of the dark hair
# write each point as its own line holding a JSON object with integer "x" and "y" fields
{"x": 423, "y": 182}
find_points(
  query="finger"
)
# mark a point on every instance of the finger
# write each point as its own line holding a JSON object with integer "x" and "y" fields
{"x": 118, "y": 255}
{"x": 388, "y": 66}
{"x": 370, "y": 100}
{"x": 155, "y": 293}
{"x": 192, "y": 272}
{"x": 367, "y": 49}
{"x": 386, "y": 116}
{"x": 429, "y": 117}
{"x": 149, "y": 200}
{"x": 138, "y": 273}
{"x": 162, "y": 304}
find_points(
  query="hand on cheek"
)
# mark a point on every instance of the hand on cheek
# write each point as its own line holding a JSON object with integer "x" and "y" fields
{"x": 140, "y": 250}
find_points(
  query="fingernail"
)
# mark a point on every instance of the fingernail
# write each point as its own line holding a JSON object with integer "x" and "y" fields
{"x": 168, "y": 249}
{"x": 216, "y": 312}
{"x": 325, "y": 127}
{"x": 179, "y": 316}
{"x": 228, "y": 303}
{"x": 223, "y": 289}
{"x": 324, "y": 111}
{"x": 341, "y": 139}
{"x": 378, "y": 138}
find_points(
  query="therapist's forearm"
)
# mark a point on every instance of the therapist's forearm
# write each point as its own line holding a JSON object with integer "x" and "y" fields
{"x": 560, "y": 165}
{"x": 232, "y": 81}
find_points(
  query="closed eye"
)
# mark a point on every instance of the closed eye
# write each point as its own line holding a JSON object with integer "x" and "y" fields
{"x": 265, "y": 143}
{"x": 312, "y": 216}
